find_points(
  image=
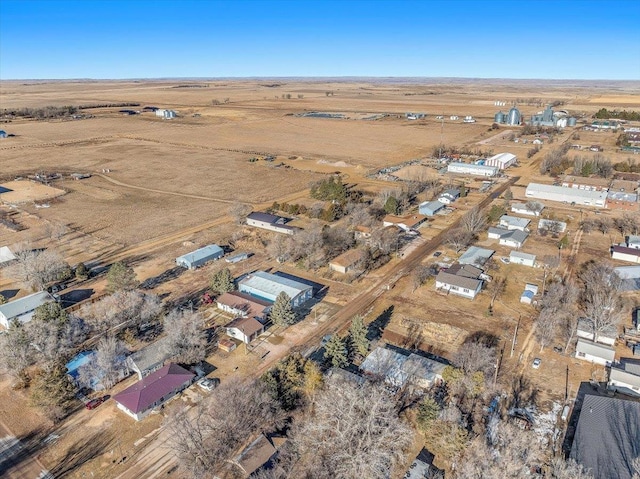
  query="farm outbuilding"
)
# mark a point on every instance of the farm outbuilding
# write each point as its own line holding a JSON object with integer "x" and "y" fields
{"x": 562, "y": 194}
{"x": 502, "y": 160}
{"x": 200, "y": 256}
{"x": 267, "y": 286}
{"x": 470, "y": 169}
{"x": 430, "y": 208}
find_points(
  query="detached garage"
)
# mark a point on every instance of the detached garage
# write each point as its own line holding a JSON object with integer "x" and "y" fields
{"x": 200, "y": 256}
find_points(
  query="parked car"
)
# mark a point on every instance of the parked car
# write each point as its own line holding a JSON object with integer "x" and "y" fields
{"x": 208, "y": 384}
{"x": 536, "y": 363}
{"x": 437, "y": 253}
{"x": 94, "y": 403}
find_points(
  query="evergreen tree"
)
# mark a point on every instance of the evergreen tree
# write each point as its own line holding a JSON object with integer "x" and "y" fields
{"x": 81, "y": 271}
{"x": 336, "y": 352}
{"x": 121, "y": 278}
{"x": 222, "y": 282}
{"x": 391, "y": 206}
{"x": 358, "y": 336}
{"x": 53, "y": 392}
{"x": 282, "y": 313}
{"x": 428, "y": 411}
{"x": 50, "y": 312}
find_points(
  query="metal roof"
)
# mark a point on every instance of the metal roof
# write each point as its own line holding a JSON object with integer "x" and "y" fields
{"x": 200, "y": 254}
{"x": 475, "y": 255}
{"x": 516, "y": 235}
{"x": 515, "y": 221}
{"x": 595, "y": 349}
{"x": 398, "y": 368}
{"x": 502, "y": 158}
{"x": 521, "y": 255}
{"x": 21, "y": 306}
{"x": 153, "y": 388}
{"x": 542, "y": 224}
{"x": 6, "y": 254}
{"x": 273, "y": 284}
{"x": 607, "y": 436}
{"x": 147, "y": 357}
{"x": 459, "y": 281}
{"x": 570, "y": 192}
{"x": 432, "y": 205}
{"x": 266, "y": 217}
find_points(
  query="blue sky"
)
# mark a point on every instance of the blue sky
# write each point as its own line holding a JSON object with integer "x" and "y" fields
{"x": 143, "y": 39}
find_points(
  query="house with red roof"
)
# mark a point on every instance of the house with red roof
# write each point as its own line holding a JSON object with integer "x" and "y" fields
{"x": 153, "y": 391}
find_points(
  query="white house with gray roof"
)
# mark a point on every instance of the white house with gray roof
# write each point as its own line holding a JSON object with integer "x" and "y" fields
{"x": 511, "y": 238}
{"x": 595, "y": 352}
{"x": 526, "y": 259}
{"x": 22, "y": 309}
{"x": 458, "y": 282}
{"x": 524, "y": 209}
{"x": 268, "y": 286}
{"x": 514, "y": 223}
{"x": 625, "y": 376}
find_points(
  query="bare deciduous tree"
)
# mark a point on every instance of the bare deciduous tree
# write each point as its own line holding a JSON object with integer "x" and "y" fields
{"x": 459, "y": 239}
{"x": 600, "y": 297}
{"x": 123, "y": 308}
{"x": 107, "y": 365}
{"x": 353, "y": 432}
{"x": 207, "y": 435}
{"x": 473, "y": 220}
{"x": 239, "y": 212}
{"x": 187, "y": 340}
{"x": 385, "y": 239}
{"x": 560, "y": 469}
{"x": 36, "y": 268}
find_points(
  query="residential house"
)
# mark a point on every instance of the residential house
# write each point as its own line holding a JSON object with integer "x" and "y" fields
{"x": 633, "y": 241}
{"x": 624, "y": 377}
{"x": 422, "y": 467}
{"x": 514, "y": 223}
{"x": 475, "y": 255}
{"x": 530, "y": 291}
{"x": 406, "y": 223}
{"x": 449, "y": 196}
{"x": 270, "y": 222}
{"x": 511, "y": 238}
{"x": 606, "y": 439}
{"x": 585, "y": 331}
{"x": 347, "y": 261}
{"x": 150, "y": 358}
{"x": 630, "y": 276}
{"x": 458, "y": 282}
{"x": 259, "y": 454}
{"x": 200, "y": 256}
{"x": 430, "y": 208}
{"x": 595, "y": 352}
{"x": 526, "y": 259}
{"x": 502, "y": 160}
{"x": 399, "y": 367}
{"x": 524, "y": 209}
{"x": 79, "y": 366}
{"x": 244, "y": 305}
{"x": 624, "y": 253}
{"x": 268, "y": 286}
{"x": 153, "y": 391}
{"x": 361, "y": 232}
{"x": 22, "y": 309}
{"x": 244, "y": 329}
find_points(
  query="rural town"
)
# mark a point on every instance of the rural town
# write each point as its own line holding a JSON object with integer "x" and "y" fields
{"x": 318, "y": 276}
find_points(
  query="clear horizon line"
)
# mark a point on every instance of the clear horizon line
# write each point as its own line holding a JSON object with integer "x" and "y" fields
{"x": 322, "y": 77}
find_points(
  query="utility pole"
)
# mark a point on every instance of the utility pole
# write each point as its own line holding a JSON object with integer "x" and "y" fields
{"x": 495, "y": 375}
{"x": 566, "y": 386}
{"x": 515, "y": 334}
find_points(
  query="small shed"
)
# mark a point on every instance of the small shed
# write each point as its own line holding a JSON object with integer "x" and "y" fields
{"x": 530, "y": 291}
{"x": 3, "y": 134}
{"x": 200, "y": 256}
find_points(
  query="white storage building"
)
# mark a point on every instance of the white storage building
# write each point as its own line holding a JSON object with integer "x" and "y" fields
{"x": 22, "y": 309}
{"x": 526, "y": 259}
{"x": 200, "y": 256}
{"x": 470, "y": 169}
{"x": 502, "y": 160}
{"x": 594, "y": 352}
{"x": 567, "y": 195}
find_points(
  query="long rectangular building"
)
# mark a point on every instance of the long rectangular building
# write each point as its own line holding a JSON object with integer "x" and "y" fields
{"x": 502, "y": 160}
{"x": 268, "y": 286}
{"x": 563, "y": 194}
{"x": 471, "y": 169}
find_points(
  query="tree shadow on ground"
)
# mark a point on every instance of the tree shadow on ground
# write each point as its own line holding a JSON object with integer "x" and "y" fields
{"x": 83, "y": 451}
{"x": 377, "y": 326}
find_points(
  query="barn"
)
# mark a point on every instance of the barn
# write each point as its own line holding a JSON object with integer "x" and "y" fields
{"x": 200, "y": 256}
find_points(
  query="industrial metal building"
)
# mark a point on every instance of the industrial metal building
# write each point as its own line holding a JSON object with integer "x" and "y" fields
{"x": 567, "y": 195}
{"x": 470, "y": 169}
{"x": 200, "y": 256}
{"x": 268, "y": 286}
{"x": 22, "y": 309}
{"x": 430, "y": 208}
{"x": 502, "y": 160}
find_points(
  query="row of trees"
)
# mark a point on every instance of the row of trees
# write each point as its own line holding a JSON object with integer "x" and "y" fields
{"x": 605, "y": 114}
{"x": 627, "y": 224}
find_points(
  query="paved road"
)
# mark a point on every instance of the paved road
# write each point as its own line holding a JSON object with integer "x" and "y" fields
{"x": 15, "y": 461}
{"x": 156, "y": 458}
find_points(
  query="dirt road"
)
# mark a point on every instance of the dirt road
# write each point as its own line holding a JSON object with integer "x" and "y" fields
{"x": 156, "y": 459}
{"x": 15, "y": 463}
